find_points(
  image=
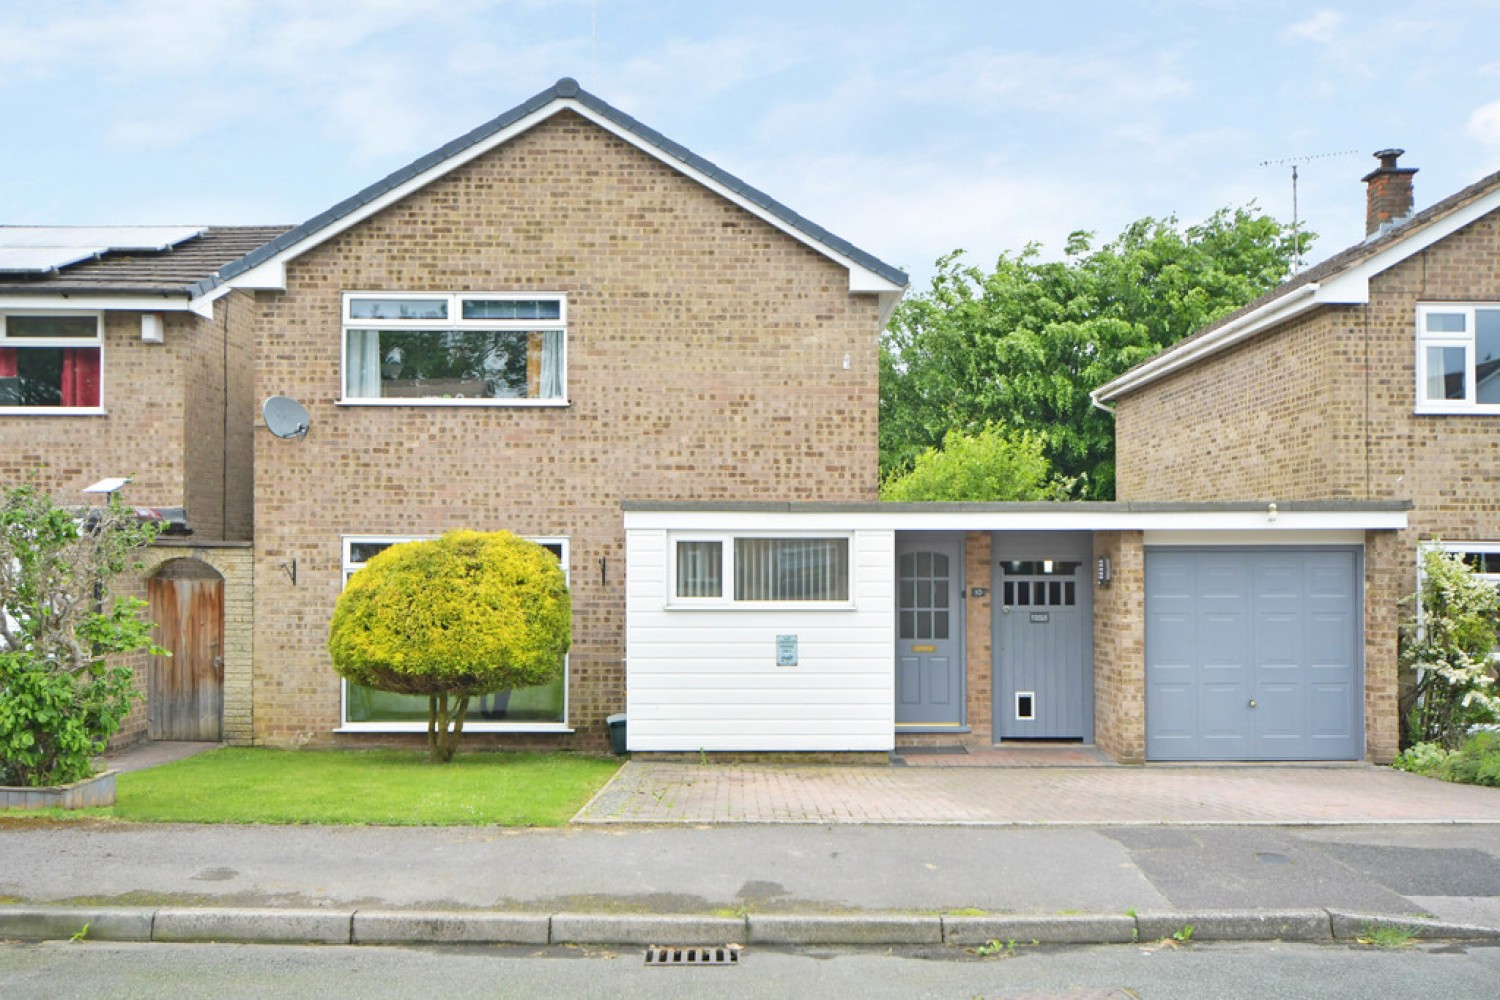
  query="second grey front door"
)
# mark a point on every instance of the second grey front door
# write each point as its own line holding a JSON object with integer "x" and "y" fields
{"x": 1043, "y": 605}
{"x": 929, "y": 630}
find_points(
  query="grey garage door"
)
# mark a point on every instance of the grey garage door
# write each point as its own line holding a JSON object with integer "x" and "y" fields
{"x": 1253, "y": 654}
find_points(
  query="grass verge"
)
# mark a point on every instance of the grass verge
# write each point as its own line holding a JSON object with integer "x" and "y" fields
{"x": 362, "y": 787}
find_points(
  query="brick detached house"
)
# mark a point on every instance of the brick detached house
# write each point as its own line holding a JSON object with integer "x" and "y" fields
{"x": 110, "y": 367}
{"x": 566, "y": 325}
{"x": 1370, "y": 377}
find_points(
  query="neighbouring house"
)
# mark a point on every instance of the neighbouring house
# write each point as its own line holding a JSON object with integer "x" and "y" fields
{"x": 108, "y": 368}
{"x": 1371, "y": 378}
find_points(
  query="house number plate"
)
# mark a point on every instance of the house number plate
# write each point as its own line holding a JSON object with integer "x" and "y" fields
{"x": 1041, "y": 616}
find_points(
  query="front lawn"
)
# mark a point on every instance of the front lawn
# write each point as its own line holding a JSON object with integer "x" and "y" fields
{"x": 383, "y": 787}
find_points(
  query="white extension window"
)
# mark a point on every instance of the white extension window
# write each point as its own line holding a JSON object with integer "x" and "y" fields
{"x": 461, "y": 349}
{"x": 542, "y": 708}
{"x": 1458, "y": 358}
{"x": 728, "y": 570}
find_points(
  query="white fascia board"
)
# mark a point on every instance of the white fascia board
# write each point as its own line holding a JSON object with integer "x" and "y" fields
{"x": 101, "y": 303}
{"x": 1289, "y": 306}
{"x": 1063, "y": 519}
{"x": 271, "y": 273}
{"x": 203, "y": 305}
{"x": 1353, "y": 286}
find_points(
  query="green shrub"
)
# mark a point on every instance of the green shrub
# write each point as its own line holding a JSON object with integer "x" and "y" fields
{"x": 994, "y": 464}
{"x": 1476, "y": 761}
{"x": 1422, "y": 758}
{"x": 1448, "y": 650}
{"x": 463, "y": 615}
{"x": 60, "y": 700}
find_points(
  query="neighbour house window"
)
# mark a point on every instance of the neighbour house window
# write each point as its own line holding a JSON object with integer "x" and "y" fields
{"x": 542, "y": 707}
{"x": 753, "y": 570}
{"x": 50, "y": 361}
{"x": 1458, "y": 358}
{"x": 460, "y": 349}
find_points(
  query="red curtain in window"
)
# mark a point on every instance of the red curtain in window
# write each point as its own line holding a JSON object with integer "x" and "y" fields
{"x": 80, "y": 376}
{"x": 8, "y": 362}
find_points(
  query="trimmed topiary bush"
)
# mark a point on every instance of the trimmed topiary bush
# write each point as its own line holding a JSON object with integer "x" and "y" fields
{"x": 463, "y": 615}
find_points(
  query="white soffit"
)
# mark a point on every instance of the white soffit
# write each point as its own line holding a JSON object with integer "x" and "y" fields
{"x": 38, "y": 249}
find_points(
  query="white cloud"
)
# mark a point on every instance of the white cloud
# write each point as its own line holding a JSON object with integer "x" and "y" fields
{"x": 1323, "y": 27}
{"x": 1484, "y": 124}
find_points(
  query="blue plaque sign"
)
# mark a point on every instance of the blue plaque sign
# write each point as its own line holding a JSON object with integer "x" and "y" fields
{"x": 786, "y": 650}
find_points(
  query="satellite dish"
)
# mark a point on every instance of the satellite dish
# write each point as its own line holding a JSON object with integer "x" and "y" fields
{"x": 285, "y": 417}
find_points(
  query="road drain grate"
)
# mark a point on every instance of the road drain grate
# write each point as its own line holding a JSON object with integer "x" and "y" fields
{"x": 724, "y": 954}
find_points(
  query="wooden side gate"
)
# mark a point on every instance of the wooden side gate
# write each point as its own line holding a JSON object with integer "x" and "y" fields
{"x": 185, "y": 691}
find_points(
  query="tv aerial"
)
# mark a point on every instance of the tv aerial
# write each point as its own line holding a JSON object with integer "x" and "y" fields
{"x": 285, "y": 417}
{"x": 1294, "y": 162}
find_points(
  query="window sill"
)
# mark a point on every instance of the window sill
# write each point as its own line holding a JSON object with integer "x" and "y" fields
{"x": 52, "y": 411}
{"x": 417, "y": 401}
{"x": 469, "y": 727}
{"x": 1458, "y": 411}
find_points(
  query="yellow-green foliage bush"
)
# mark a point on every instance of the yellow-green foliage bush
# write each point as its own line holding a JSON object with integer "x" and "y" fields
{"x": 462, "y": 615}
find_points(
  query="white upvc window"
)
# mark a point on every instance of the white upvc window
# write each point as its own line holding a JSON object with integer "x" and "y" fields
{"x": 751, "y": 570}
{"x": 539, "y": 709}
{"x": 1483, "y": 558}
{"x": 455, "y": 349}
{"x": 1458, "y": 357}
{"x": 51, "y": 363}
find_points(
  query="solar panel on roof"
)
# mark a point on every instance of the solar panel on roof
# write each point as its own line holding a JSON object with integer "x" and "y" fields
{"x": 37, "y": 249}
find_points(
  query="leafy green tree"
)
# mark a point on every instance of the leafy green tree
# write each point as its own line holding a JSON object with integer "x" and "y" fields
{"x": 1448, "y": 648}
{"x": 1024, "y": 344}
{"x": 60, "y": 699}
{"x": 466, "y": 614}
{"x": 989, "y": 465}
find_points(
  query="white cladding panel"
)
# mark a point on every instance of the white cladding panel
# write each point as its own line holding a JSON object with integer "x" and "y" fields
{"x": 707, "y": 679}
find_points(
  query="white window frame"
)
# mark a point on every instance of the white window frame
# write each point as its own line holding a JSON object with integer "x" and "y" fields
{"x": 1459, "y": 549}
{"x": 726, "y": 600}
{"x": 97, "y": 341}
{"x": 455, "y": 321}
{"x": 1464, "y": 340}
{"x": 471, "y": 724}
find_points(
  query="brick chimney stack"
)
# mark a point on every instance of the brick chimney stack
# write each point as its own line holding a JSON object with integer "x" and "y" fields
{"x": 1388, "y": 194}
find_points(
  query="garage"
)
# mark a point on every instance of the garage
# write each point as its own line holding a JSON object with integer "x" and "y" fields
{"x": 1253, "y": 654}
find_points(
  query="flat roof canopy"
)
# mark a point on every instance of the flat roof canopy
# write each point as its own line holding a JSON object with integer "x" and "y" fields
{"x": 1249, "y": 515}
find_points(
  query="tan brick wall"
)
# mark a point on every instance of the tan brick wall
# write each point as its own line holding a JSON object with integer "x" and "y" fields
{"x": 205, "y": 409}
{"x": 1120, "y": 648}
{"x": 705, "y": 361}
{"x": 1323, "y": 409}
{"x": 140, "y": 435}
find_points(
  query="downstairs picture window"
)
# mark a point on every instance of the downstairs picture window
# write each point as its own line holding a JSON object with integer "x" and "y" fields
{"x": 50, "y": 361}
{"x": 460, "y": 349}
{"x": 542, "y": 707}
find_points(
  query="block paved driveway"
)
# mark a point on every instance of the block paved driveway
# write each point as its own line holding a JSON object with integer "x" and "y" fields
{"x": 662, "y": 792}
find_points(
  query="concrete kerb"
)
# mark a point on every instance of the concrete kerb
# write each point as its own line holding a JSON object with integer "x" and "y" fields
{"x": 415, "y": 927}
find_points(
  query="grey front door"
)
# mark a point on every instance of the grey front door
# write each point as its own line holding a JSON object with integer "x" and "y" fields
{"x": 1043, "y": 605}
{"x": 929, "y": 631}
{"x": 1253, "y": 654}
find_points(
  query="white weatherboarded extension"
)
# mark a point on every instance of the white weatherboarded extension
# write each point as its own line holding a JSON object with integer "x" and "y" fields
{"x": 702, "y": 678}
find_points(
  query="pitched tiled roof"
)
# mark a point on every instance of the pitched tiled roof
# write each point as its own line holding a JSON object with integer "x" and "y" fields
{"x": 564, "y": 89}
{"x": 1340, "y": 262}
{"x": 166, "y": 272}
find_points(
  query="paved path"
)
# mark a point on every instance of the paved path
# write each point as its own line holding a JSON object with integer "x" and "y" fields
{"x": 659, "y": 792}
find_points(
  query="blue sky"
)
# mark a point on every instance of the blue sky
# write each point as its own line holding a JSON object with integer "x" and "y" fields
{"x": 909, "y": 128}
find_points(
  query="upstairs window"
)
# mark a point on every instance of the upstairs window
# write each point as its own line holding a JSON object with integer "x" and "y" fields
{"x": 1458, "y": 358}
{"x": 455, "y": 350}
{"x": 50, "y": 362}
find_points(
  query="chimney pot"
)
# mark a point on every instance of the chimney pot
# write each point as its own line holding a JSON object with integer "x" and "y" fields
{"x": 1388, "y": 192}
